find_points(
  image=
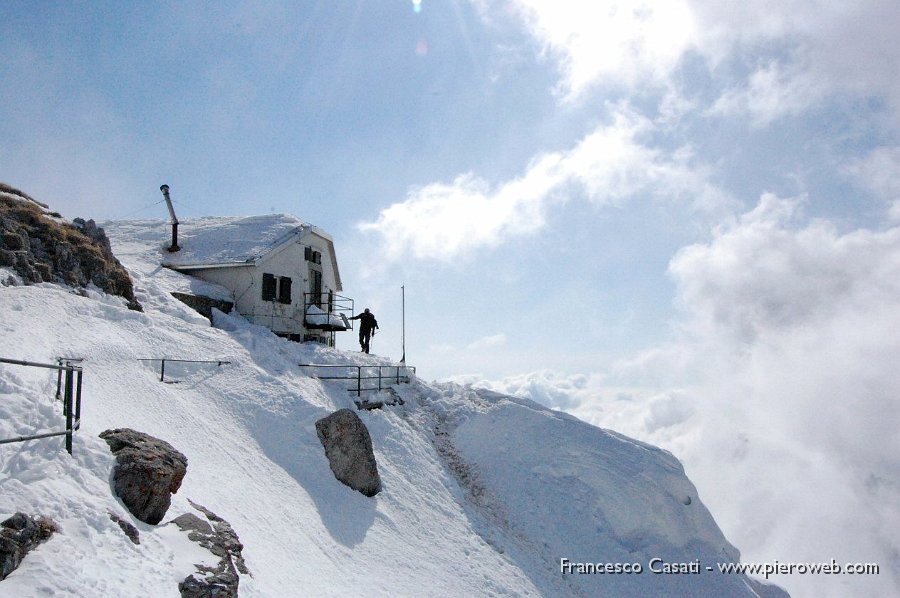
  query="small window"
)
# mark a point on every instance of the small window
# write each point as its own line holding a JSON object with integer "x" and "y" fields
{"x": 317, "y": 257}
{"x": 284, "y": 290}
{"x": 307, "y": 254}
{"x": 268, "y": 287}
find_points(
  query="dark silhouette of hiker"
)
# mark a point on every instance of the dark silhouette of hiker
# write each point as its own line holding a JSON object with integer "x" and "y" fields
{"x": 367, "y": 326}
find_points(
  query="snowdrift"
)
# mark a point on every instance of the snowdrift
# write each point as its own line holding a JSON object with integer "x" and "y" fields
{"x": 482, "y": 494}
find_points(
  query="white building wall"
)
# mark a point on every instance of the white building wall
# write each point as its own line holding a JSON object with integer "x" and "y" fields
{"x": 246, "y": 283}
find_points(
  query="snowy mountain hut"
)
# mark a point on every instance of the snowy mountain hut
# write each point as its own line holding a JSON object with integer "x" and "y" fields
{"x": 282, "y": 272}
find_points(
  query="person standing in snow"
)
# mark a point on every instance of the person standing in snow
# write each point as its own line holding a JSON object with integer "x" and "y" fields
{"x": 367, "y": 326}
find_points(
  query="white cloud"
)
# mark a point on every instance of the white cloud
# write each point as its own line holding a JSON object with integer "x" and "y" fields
{"x": 487, "y": 342}
{"x": 780, "y": 395}
{"x": 775, "y": 90}
{"x": 849, "y": 45}
{"x": 623, "y": 42}
{"x": 555, "y": 390}
{"x": 759, "y": 275}
{"x": 822, "y": 48}
{"x": 442, "y": 221}
{"x": 794, "y": 328}
{"x": 878, "y": 172}
{"x": 611, "y": 164}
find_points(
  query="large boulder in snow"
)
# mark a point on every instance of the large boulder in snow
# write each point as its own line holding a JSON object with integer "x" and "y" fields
{"x": 18, "y": 535}
{"x": 216, "y": 535}
{"x": 147, "y": 472}
{"x": 348, "y": 447}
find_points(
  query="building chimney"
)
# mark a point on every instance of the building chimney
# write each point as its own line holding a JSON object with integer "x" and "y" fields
{"x": 165, "y": 191}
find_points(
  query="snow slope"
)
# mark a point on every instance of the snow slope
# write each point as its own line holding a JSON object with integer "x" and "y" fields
{"x": 483, "y": 494}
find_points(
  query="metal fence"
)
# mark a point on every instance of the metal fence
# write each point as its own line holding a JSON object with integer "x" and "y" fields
{"x": 329, "y": 301}
{"x": 68, "y": 388}
{"x": 163, "y": 360}
{"x": 376, "y": 377}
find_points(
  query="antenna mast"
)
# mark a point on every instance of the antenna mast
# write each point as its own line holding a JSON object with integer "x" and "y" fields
{"x": 403, "y": 322}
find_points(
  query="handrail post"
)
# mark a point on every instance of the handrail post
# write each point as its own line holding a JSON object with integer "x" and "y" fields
{"x": 78, "y": 400}
{"x": 379, "y": 378}
{"x": 59, "y": 360}
{"x": 358, "y": 380}
{"x": 162, "y": 370}
{"x": 68, "y": 410}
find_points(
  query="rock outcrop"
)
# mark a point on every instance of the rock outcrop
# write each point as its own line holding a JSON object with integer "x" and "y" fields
{"x": 41, "y": 247}
{"x": 216, "y": 535}
{"x": 147, "y": 472}
{"x": 18, "y": 535}
{"x": 348, "y": 448}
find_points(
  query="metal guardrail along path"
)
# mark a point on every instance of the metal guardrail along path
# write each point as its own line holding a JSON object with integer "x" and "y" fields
{"x": 71, "y": 397}
{"x": 383, "y": 374}
{"x": 163, "y": 360}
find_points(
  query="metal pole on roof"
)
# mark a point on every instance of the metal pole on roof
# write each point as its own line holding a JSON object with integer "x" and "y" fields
{"x": 165, "y": 192}
{"x": 403, "y": 321}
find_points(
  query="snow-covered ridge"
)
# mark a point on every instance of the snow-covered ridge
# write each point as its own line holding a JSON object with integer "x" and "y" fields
{"x": 483, "y": 494}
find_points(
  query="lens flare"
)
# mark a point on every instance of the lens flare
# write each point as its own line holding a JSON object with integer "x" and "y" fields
{"x": 417, "y": 6}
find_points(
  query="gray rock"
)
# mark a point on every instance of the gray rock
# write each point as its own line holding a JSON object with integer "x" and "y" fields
{"x": 226, "y": 537}
{"x": 147, "y": 472}
{"x": 348, "y": 448}
{"x": 13, "y": 241}
{"x": 130, "y": 531}
{"x": 216, "y": 535}
{"x": 20, "y": 534}
{"x": 44, "y": 271}
{"x": 207, "y": 586}
{"x": 204, "y": 305}
{"x": 7, "y": 258}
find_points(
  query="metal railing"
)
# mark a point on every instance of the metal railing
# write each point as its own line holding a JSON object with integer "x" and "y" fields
{"x": 383, "y": 374}
{"x": 59, "y": 374}
{"x": 329, "y": 302}
{"x": 163, "y": 360}
{"x": 69, "y": 386}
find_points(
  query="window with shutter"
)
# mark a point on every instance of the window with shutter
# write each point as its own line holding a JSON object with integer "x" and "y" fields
{"x": 268, "y": 287}
{"x": 284, "y": 290}
{"x": 315, "y": 287}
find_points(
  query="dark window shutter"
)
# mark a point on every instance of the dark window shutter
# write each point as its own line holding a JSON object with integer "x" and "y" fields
{"x": 268, "y": 287}
{"x": 284, "y": 290}
{"x": 307, "y": 253}
{"x": 315, "y": 288}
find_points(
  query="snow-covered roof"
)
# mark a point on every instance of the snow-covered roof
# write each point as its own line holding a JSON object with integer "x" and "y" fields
{"x": 218, "y": 241}
{"x": 231, "y": 239}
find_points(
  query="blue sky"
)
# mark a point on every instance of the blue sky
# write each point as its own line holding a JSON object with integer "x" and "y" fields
{"x": 678, "y": 220}
{"x": 420, "y": 121}
{"x": 415, "y": 134}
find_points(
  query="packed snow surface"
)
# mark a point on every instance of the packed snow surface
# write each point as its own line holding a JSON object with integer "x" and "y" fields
{"x": 483, "y": 494}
